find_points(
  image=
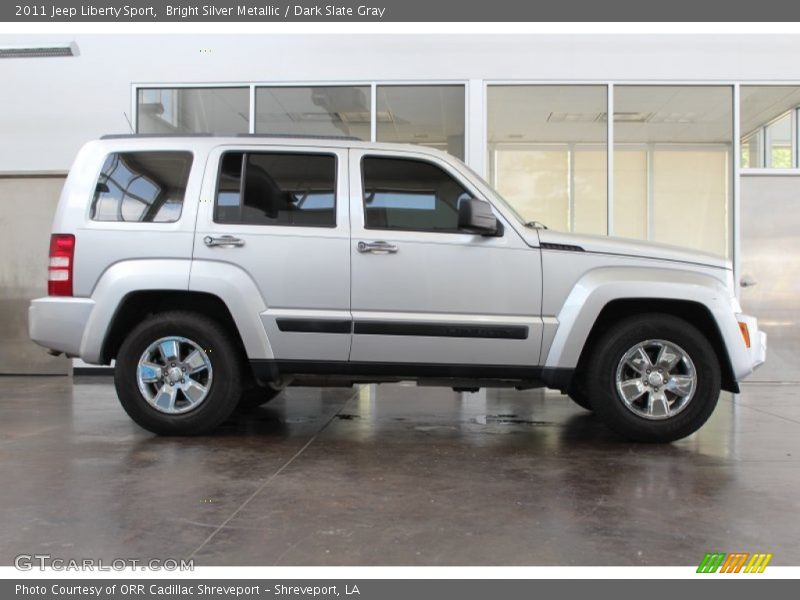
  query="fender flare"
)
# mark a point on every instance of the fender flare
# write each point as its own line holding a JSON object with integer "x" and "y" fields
{"x": 119, "y": 280}
{"x": 598, "y": 287}
{"x": 230, "y": 284}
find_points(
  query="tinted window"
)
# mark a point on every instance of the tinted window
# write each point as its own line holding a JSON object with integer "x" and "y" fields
{"x": 279, "y": 189}
{"x": 410, "y": 194}
{"x": 142, "y": 186}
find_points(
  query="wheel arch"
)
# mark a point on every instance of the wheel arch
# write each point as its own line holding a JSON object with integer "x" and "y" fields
{"x": 220, "y": 291}
{"x": 695, "y": 313}
{"x": 137, "y": 306}
{"x": 606, "y": 294}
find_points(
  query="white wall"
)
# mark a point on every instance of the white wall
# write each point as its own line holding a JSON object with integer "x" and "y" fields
{"x": 49, "y": 107}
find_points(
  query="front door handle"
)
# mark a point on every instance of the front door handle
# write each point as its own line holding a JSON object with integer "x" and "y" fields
{"x": 223, "y": 241}
{"x": 376, "y": 248}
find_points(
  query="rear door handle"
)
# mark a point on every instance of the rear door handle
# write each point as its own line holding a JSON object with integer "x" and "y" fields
{"x": 223, "y": 241}
{"x": 376, "y": 248}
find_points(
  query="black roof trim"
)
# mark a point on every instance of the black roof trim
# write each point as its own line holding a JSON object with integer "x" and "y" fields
{"x": 133, "y": 136}
{"x": 300, "y": 136}
{"x": 126, "y": 136}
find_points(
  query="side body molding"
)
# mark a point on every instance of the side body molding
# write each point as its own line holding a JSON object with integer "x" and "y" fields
{"x": 596, "y": 288}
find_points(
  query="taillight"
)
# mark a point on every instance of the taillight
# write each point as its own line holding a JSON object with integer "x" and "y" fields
{"x": 59, "y": 273}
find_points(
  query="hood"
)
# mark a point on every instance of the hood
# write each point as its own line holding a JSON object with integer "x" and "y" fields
{"x": 625, "y": 247}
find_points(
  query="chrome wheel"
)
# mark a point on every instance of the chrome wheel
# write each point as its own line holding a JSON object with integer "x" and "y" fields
{"x": 656, "y": 379}
{"x": 174, "y": 375}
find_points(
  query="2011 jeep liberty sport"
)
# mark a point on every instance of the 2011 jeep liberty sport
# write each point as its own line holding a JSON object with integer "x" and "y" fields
{"x": 217, "y": 271}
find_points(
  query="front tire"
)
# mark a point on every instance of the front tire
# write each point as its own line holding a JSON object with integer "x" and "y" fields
{"x": 256, "y": 396}
{"x": 178, "y": 373}
{"x": 654, "y": 378}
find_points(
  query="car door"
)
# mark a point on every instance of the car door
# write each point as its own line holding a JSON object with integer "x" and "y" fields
{"x": 280, "y": 214}
{"x": 425, "y": 293}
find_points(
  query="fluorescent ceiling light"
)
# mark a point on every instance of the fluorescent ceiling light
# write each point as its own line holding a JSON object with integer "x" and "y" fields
{"x": 353, "y": 117}
{"x": 41, "y": 51}
{"x": 627, "y": 117}
{"x": 661, "y": 117}
{"x": 564, "y": 117}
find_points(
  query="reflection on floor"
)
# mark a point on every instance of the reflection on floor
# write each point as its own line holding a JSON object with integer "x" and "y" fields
{"x": 394, "y": 475}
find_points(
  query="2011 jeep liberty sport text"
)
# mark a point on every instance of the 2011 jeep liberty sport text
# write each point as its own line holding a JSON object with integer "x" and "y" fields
{"x": 217, "y": 271}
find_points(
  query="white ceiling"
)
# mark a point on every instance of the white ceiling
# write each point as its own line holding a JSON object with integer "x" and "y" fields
{"x": 666, "y": 114}
{"x": 332, "y": 110}
{"x": 759, "y": 105}
{"x": 420, "y": 114}
{"x": 677, "y": 114}
{"x": 519, "y": 114}
{"x": 671, "y": 114}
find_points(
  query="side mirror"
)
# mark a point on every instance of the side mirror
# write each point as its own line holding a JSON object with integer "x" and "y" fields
{"x": 477, "y": 216}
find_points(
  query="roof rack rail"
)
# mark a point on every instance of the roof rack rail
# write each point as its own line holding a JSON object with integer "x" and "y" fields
{"x": 124, "y": 136}
{"x": 302, "y": 136}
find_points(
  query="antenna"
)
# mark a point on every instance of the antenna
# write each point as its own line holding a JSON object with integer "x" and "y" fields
{"x": 130, "y": 125}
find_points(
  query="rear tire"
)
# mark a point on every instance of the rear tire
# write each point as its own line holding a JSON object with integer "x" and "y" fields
{"x": 579, "y": 397}
{"x": 178, "y": 373}
{"x": 653, "y": 378}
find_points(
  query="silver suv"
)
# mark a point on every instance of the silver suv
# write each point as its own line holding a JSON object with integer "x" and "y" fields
{"x": 217, "y": 271}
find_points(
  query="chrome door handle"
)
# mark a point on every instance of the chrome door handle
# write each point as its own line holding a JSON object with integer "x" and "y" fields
{"x": 223, "y": 241}
{"x": 376, "y": 248}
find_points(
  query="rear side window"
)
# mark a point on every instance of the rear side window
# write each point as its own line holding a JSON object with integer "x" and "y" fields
{"x": 414, "y": 195}
{"x": 142, "y": 187}
{"x": 276, "y": 188}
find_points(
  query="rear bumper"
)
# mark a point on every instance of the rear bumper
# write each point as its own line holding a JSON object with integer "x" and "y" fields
{"x": 59, "y": 323}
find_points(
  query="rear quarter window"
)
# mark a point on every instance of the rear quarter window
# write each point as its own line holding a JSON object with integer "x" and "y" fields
{"x": 143, "y": 187}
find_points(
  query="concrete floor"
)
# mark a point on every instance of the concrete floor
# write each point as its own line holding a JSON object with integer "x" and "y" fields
{"x": 394, "y": 475}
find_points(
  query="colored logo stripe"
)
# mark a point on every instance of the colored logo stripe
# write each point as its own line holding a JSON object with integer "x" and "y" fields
{"x": 734, "y": 563}
{"x": 711, "y": 562}
{"x": 758, "y": 563}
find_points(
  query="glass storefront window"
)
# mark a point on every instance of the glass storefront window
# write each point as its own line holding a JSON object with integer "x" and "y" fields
{"x": 672, "y": 164}
{"x": 317, "y": 110}
{"x": 768, "y": 125}
{"x": 752, "y": 151}
{"x": 779, "y": 143}
{"x": 193, "y": 110}
{"x": 548, "y": 153}
{"x": 428, "y": 115}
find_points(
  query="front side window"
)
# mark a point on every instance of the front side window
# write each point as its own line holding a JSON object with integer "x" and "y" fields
{"x": 410, "y": 195}
{"x": 141, "y": 187}
{"x": 272, "y": 188}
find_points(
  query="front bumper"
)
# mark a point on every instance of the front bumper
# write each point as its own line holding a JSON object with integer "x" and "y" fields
{"x": 753, "y": 357}
{"x": 58, "y": 323}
